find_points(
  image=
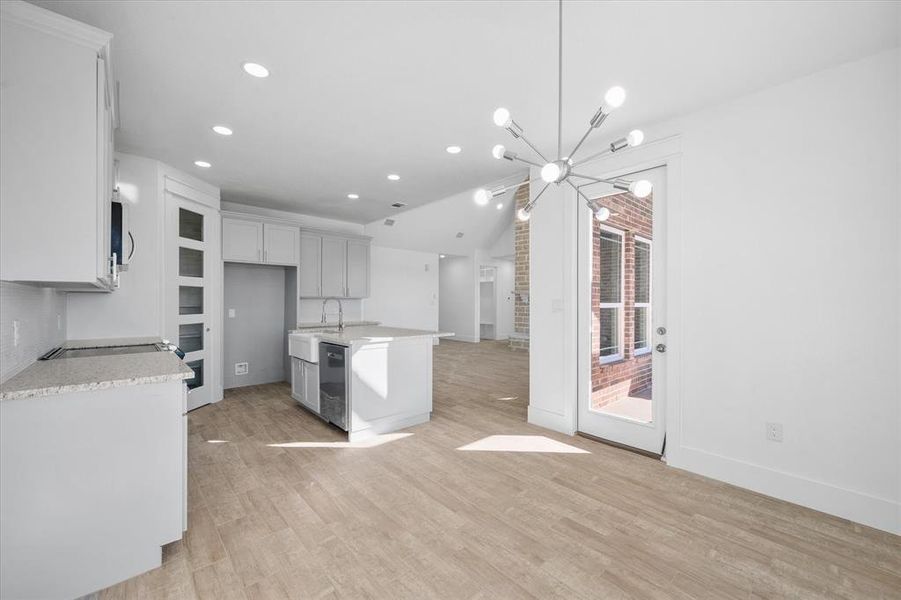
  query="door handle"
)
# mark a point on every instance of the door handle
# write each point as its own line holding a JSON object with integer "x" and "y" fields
{"x": 661, "y": 331}
{"x": 660, "y": 348}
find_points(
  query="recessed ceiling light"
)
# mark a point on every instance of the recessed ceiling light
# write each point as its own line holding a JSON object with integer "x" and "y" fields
{"x": 256, "y": 70}
{"x": 353, "y": 196}
{"x": 202, "y": 164}
{"x": 500, "y": 205}
{"x": 453, "y": 149}
{"x": 394, "y": 177}
{"x": 440, "y": 256}
{"x": 222, "y": 130}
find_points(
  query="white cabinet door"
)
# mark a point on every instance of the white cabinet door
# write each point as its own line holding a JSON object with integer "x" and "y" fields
{"x": 310, "y": 265}
{"x": 357, "y": 269}
{"x": 281, "y": 244}
{"x": 334, "y": 267}
{"x": 298, "y": 384}
{"x": 311, "y": 383}
{"x": 242, "y": 241}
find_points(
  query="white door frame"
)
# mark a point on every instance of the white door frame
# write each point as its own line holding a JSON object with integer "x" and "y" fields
{"x": 662, "y": 153}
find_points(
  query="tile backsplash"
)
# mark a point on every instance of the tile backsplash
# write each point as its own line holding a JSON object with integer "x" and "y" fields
{"x": 41, "y": 317}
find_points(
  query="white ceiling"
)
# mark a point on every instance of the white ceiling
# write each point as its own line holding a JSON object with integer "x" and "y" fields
{"x": 362, "y": 89}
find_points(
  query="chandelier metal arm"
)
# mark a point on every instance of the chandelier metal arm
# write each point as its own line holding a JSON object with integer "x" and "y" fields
{"x": 595, "y": 179}
{"x": 582, "y": 141}
{"x": 528, "y": 207}
{"x": 528, "y": 162}
{"x": 522, "y": 136}
{"x": 579, "y": 191}
{"x": 593, "y": 156}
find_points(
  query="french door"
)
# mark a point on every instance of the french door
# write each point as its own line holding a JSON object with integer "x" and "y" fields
{"x": 191, "y": 263}
{"x": 622, "y": 327}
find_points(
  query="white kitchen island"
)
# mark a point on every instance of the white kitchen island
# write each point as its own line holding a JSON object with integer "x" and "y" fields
{"x": 388, "y": 376}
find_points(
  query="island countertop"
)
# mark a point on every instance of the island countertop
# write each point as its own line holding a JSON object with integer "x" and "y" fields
{"x": 370, "y": 334}
{"x": 66, "y": 375}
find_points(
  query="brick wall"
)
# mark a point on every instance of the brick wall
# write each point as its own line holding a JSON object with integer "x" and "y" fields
{"x": 631, "y": 375}
{"x": 521, "y": 281}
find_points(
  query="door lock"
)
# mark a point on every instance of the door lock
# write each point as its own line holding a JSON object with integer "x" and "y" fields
{"x": 661, "y": 331}
{"x": 660, "y": 348}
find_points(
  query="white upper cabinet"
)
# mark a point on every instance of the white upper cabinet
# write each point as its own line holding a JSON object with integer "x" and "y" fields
{"x": 334, "y": 267}
{"x": 310, "y": 265}
{"x": 57, "y": 115}
{"x": 357, "y": 269}
{"x": 281, "y": 244}
{"x": 329, "y": 264}
{"x": 242, "y": 240}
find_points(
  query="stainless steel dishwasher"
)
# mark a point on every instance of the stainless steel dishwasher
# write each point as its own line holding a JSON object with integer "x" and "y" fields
{"x": 333, "y": 384}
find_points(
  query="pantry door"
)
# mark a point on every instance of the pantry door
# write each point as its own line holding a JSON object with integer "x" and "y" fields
{"x": 622, "y": 318}
{"x": 191, "y": 267}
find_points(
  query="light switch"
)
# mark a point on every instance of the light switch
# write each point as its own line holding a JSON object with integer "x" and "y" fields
{"x": 557, "y": 305}
{"x": 231, "y": 313}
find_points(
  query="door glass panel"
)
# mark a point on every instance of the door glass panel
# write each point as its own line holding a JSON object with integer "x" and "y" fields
{"x": 190, "y": 300}
{"x": 190, "y": 337}
{"x": 190, "y": 225}
{"x": 197, "y": 380}
{"x": 190, "y": 262}
{"x": 621, "y": 310}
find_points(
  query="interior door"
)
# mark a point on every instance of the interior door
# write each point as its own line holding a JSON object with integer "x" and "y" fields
{"x": 191, "y": 276}
{"x": 622, "y": 309}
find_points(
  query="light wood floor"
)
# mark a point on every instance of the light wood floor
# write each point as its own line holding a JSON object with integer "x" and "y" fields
{"x": 418, "y": 518}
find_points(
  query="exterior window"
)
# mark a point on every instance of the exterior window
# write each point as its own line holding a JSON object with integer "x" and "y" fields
{"x": 610, "y": 317}
{"x": 642, "y": 342}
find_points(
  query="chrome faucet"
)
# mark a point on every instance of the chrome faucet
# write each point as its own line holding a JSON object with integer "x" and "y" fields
{"x": 340, "y": 312}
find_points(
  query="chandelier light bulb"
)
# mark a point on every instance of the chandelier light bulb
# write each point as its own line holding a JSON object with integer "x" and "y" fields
{"x": 602, "y": 213}
{"x": 502, "y": 117}
{"x": 522, "y": 214}
{"x": 482, "y": 196}
{"x": 641, "y": 188}
{"x": 550, "y": 172}
{"x": 498, "y": 151}
{"x": 635, "y": 137}
{"x": 615, "y": 97}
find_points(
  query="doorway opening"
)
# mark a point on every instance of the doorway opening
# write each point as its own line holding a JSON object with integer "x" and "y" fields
{"x": 621, "y": 358}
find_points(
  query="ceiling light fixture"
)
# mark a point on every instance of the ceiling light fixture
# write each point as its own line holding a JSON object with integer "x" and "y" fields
{"x": 454, "y": 149}
{"x": 222, "y": 130}
{"x": 354, "y": 196}
{"x": 256, "y": 70}
{"x": 394, "y": 177}
{"x": 500, "y": 205}
{"x": 202, "y": 164}
{"x": 560, "y": 171}
{"x": 440, "y": 256}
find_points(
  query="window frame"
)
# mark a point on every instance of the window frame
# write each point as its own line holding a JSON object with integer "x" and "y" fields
{"x": 646, "y": 305}
{"x": 620, "y": 354}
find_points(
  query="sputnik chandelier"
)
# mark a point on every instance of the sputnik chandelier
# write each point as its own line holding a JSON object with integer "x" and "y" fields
{"x": 560, "y": 171}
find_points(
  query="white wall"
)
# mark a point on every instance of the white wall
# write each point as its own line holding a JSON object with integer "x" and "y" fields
{"x": 787, "y": 233}
{"x": 41, "y": 315}
{"x": 458, "y": 295}
{"x": 403, "y": 288}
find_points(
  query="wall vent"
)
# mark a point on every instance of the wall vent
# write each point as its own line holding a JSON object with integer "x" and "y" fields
{"x": 389, "y": 222}
{"x": 459, "y": 234}
{"x": 399, "y": 204}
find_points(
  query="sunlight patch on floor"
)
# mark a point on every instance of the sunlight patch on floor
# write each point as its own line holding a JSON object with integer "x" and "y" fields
{"x": 522, "y": 443}
{"x": 370, "y": 443}
{"x": 217, "y": 441}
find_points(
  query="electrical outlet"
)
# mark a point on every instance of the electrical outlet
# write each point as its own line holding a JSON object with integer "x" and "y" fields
{"x": 59, "y": 322}
{"x": 241, "y": 368}
{"x": 774, "y": 432}
{"x": 231, "y": 313}
{"x": 16, "y": 332}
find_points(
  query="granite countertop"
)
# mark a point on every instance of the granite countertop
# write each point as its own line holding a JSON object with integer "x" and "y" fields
{"x": 372, "y": 333}
{"x": 319, "y": 325}
{"x": 66, "y": 375}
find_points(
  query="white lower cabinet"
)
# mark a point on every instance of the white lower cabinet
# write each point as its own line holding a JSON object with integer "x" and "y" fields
{"x": 305, "y": 383}
{"x": 92, "y": 485}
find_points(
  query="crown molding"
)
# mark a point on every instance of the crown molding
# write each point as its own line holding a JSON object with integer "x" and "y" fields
{"x": 35, "y": 17}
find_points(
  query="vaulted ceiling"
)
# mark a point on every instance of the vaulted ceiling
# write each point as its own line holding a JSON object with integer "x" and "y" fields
{"x": 362, "y": 89}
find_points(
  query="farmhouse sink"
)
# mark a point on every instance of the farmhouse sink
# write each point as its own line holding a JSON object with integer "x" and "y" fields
{"x": 305, "y": 346}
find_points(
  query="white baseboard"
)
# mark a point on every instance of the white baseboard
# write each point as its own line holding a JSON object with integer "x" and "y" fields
{"x": 550, "y": 420}
{"x": 880, "y": 513}
{"x": 465, "y": 338}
